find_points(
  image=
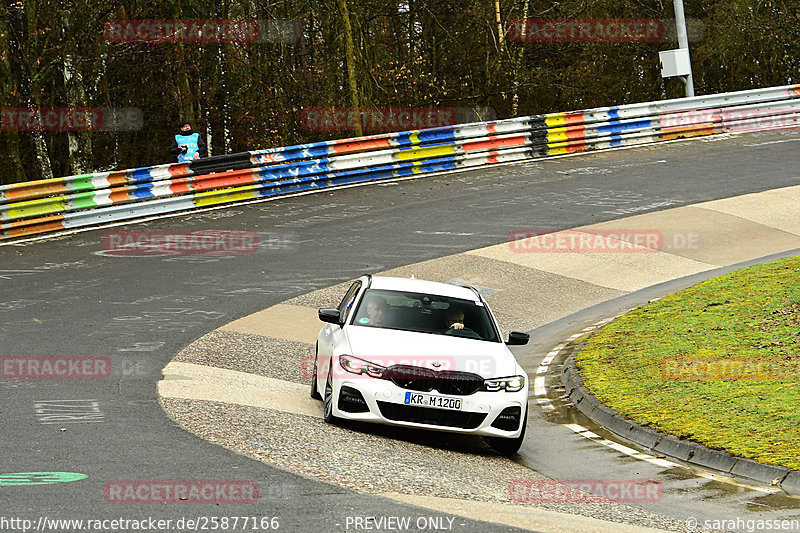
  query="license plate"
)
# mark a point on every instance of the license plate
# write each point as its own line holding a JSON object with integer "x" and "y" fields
{"x": 426, "y": 400}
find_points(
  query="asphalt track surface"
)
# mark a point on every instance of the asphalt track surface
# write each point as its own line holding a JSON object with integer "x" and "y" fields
{"x": 65, "y": 296}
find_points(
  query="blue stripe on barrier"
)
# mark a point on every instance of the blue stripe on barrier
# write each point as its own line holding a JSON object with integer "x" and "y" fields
{"x": 143, "y": 190}
{"x": 613, "y": 112}
{"x": 405, "y": 168}
{"x": 621, "y": 127}
{"x": 361, "y": 175}
{"x": 438, "y": 134}
{"x": 443, "y": 136}
{"x": 316, "y": 151}
{"x": 307, "y": 168}
{"x": 292, "y": 169}
{"x": 141, "y": 174}
{"x": 404, "y": 139}
{"x": 450, "y": 164}
{"x": 442, "y": 133}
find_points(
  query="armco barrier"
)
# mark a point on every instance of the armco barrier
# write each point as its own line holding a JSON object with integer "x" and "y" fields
{"x": 102, "y": 197}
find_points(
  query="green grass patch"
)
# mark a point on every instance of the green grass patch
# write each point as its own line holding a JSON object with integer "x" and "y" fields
{"x": 716, "y": 363}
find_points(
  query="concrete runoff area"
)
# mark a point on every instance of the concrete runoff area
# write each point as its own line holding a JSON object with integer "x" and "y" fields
{"x": 518, "y": 515}
{"x": 290, "y": 322}
{"x": 518, "y": 285}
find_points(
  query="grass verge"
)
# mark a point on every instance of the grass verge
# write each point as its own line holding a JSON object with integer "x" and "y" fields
{"x": 717, "y": 363}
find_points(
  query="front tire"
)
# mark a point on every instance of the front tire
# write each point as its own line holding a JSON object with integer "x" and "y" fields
{"x": 509, "y": 446}
{"x": 327, "y": 411}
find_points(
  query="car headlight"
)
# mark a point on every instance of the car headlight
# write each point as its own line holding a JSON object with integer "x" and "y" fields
{"x": 509, "y": 384}
{"x": 354, "y": 365}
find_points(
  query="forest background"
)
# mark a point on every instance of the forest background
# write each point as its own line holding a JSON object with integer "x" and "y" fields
{"x": 358, "y": 54}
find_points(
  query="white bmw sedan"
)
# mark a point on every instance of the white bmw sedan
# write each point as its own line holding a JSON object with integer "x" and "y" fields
{"x": 421, "y": 354}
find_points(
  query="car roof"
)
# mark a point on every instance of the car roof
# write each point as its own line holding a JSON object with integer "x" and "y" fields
{"x": 423, "y": 286}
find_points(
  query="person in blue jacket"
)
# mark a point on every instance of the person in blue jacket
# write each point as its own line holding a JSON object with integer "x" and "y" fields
{"x": 187, "y": 144}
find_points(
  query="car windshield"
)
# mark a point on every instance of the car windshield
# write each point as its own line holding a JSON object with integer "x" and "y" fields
{"x": 425, "y": 313}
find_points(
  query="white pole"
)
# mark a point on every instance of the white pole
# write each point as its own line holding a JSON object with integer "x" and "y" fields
{"x": 683, "y": 42}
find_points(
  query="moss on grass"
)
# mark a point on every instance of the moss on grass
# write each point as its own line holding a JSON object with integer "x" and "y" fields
{"x": 717, "y": 363}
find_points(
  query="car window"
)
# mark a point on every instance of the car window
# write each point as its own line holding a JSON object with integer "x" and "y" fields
{"x": 347, "y": 302}
{"x": 424, "y": 313}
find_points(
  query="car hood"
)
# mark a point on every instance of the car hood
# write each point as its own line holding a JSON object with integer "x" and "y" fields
{"x": 388, "y": 347}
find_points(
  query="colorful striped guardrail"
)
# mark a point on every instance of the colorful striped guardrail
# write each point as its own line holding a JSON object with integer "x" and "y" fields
{"x": 102, "y": 197}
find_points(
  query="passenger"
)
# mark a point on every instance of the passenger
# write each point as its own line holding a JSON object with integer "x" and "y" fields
{"x": 376, "y": 310}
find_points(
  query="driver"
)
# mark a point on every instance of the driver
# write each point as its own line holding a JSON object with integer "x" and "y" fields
{"x": 376, "y": 310}
{"x": 454, "y": 319}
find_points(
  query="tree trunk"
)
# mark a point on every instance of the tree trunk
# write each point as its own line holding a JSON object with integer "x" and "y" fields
{"x": 8, "y": 88}
{"x": 501, "y": 34}
{"x": 518, "y": 61}
{"x": 222, "y": 58}
{"x": 204, "y": 112}
{"x": 21, "y": 41}
{"x": 185, "y": 88}
{"x": 349, "y": 50}
{"x": 79, "y": 142}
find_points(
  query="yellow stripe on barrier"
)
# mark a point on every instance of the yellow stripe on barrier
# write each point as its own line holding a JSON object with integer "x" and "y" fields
{"x": 554, "y": 120}
{"x": 36, "y": 208}
{"x": 203, "y": 199}
{"x": 556, "y": 135}
{"x": 421, "y": 153}
{"x": 557, "y": 151}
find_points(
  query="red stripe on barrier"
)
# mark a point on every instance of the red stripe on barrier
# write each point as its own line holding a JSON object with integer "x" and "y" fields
{"x": 120, "y": 197}
{"x": 361, "y": 146}
{"x": 575, "y": 132}
{"x": 576, "y": 147}
{"x": 33, "y": 226}
{"x": 518, "y": 140}
{"x": 118, "y": 178}
{"x": 225, "y": 179}
{"x": 181, "y": 186}
{"x": 25, "y": 191}
{"x": 573, "y": 118}
{"x": 177, "y": 171}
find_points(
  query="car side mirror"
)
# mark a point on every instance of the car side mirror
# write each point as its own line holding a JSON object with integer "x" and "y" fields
{"x": 330, "y": 315}
{"x": 517, "y": 338}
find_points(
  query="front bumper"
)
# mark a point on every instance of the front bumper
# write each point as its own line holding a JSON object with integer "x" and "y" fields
{"x": 385, "y": 404}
